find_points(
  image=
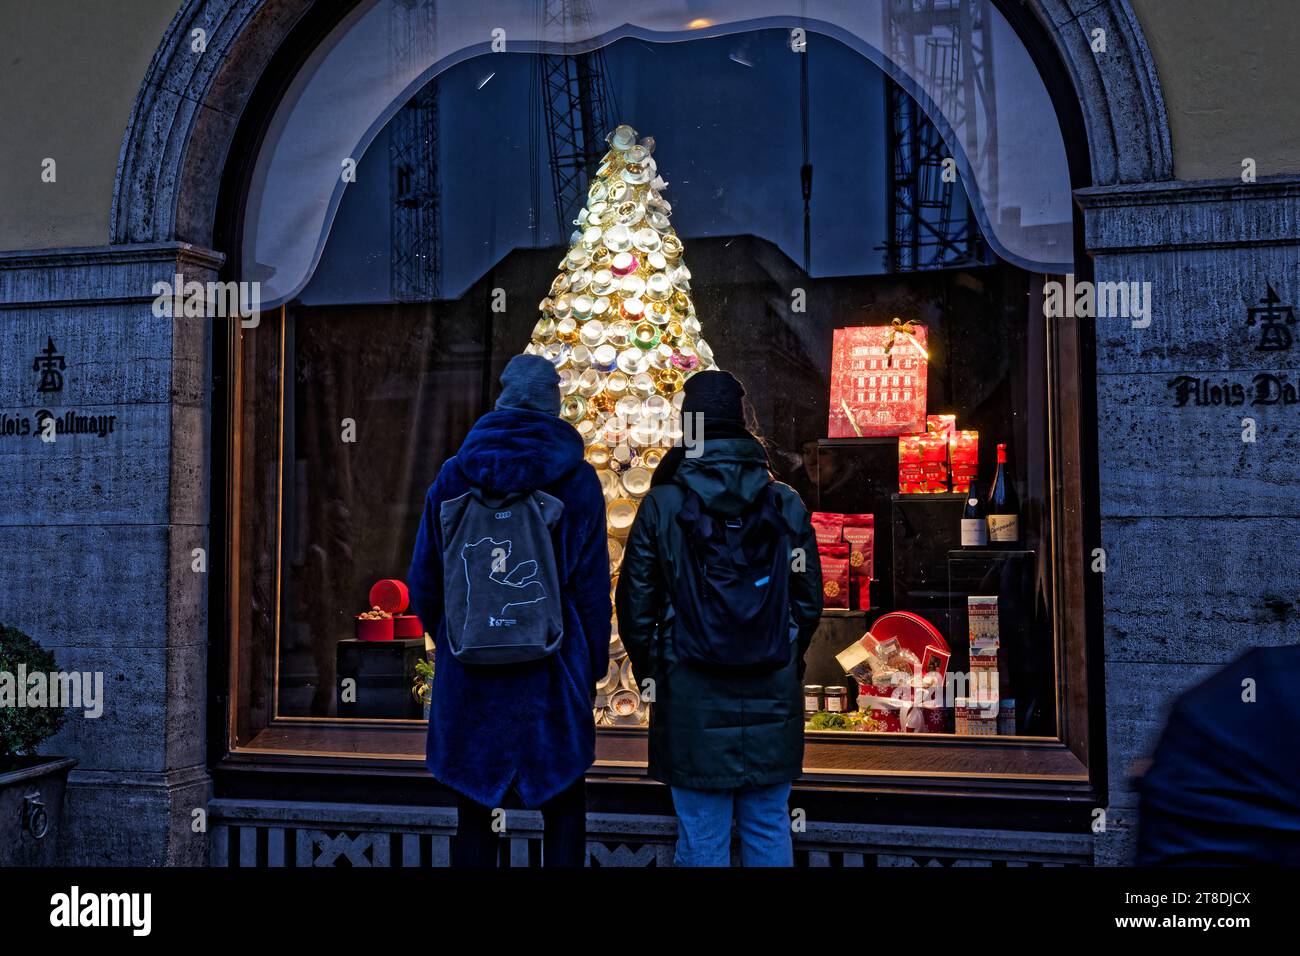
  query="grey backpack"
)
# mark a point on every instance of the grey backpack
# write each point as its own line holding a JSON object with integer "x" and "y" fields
{"x": 501, "y": 586}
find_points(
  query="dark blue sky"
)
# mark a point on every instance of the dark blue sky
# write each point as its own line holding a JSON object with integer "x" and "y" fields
{"x": 725, "y": 115}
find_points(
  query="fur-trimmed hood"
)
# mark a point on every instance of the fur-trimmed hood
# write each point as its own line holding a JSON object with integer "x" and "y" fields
{"x": 516, "y": 449}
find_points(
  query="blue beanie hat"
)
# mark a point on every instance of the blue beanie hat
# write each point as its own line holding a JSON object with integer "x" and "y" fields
{"x": 530, "y": 381}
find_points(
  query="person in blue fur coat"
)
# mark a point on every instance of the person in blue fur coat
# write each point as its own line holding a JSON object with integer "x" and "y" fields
{"x": 522, "y": 729}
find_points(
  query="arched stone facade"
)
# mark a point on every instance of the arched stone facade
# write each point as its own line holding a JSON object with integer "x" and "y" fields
{"x": 178, "y": 143}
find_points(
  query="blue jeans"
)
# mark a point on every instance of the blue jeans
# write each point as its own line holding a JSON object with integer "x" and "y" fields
{"x": 704, "y": 826}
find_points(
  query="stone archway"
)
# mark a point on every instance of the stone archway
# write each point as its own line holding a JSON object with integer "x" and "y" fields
{"x": 187, "y": 110}
{"x": 169, "y": 177}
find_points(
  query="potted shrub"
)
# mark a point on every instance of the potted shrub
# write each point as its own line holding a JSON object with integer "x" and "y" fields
{"x": 422, "y": 688}
{"x": 31, "y": 786}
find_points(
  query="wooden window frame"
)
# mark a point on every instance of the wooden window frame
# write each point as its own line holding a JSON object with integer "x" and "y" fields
{"x": 1068, "y": 771}
{"x": 1066, "y": 767}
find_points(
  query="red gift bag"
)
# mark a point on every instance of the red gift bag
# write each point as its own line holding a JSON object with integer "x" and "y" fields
{"x": 878, "y": 381}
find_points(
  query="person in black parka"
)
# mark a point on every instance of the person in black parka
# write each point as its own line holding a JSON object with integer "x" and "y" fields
{"x": 727, "y": 743}
{"x": 525, "y": 729}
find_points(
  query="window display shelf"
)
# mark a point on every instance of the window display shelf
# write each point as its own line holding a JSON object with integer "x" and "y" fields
{"x": 842, "y": 612}
{"x": 895, "y": 763}
{"x": 887, "y": 440}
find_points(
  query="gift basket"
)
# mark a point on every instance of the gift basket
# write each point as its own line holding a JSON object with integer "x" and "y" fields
{"x": 900, "y": 666}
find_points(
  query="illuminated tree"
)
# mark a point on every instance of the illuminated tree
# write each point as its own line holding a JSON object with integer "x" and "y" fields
{"x": 620, "y": 326}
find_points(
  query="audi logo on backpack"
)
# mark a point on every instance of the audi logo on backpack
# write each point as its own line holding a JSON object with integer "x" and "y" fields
{"x": 500, "y": 582}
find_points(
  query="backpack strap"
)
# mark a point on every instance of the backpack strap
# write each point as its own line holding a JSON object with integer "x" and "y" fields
{"x": 774, "y": 513}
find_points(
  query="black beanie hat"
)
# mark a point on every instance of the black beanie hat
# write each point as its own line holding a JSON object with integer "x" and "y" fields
{"x": 717, "y": 396}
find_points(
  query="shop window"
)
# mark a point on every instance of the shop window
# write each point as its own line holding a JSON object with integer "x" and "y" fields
{"x": 809, "y": 190}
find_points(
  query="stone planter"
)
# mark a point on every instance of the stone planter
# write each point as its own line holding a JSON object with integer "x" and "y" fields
{"x": 31, "y": 810}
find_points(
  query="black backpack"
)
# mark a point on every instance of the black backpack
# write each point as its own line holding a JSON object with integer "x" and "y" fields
{"x": 732, "y": 597}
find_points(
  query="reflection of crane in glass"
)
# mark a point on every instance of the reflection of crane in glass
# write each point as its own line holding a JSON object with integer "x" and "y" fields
{"x": 416, "y": 236}
{"x": 932, "y": 223}
{"x": 577, "y": 105}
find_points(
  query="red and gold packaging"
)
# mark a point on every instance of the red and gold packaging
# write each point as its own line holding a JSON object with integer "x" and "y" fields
{"x": 922, "y": 464}
{"x": 912, "y": 706}
{"x": 943, "y": 425}
{"x": 827, "y": 527}
{"x": 835, "y": 575}
{"x": 876, "y": 700}
{"x": 910, "y": 476}
{"x": 860, "y": 534}
{"x": 964, "y": 459}
{"x": 878, "y": 381}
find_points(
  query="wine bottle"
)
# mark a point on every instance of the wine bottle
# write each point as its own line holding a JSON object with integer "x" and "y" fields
{"x": 974, "y": 520}
{"x": 1003, "y": 505}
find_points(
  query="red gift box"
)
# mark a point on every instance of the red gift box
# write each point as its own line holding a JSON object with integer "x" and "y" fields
{"x": 964, "y": 448}
{"x": 407, "y": 626}
{"x": 374, "y": 629}
{"x": 964, "y": 455}
{"x": 923, "y": 464}
{"x": 943, "y": 425}
{"x": 390, "y": 595}
{"x": 914, "y": 707}
{"x": 877, "y": 701}
{"x": 878, "y": 381}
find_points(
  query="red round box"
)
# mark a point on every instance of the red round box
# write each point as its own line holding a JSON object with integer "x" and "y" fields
{"x": 914, "y": 633}
{"x": 372, "y": 630}
{"x": 390, "y": 595}
{"x": 407, "y": 626}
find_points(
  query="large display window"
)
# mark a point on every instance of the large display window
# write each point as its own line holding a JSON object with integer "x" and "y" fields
{"x": 812, "y": 218}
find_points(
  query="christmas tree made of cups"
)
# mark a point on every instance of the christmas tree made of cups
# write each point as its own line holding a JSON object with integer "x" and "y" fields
{"x": 621, "y": 328}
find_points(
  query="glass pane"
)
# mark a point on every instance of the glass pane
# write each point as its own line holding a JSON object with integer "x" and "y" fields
{"x": 795, "y": 223}
{"x": 962, "y": 64}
